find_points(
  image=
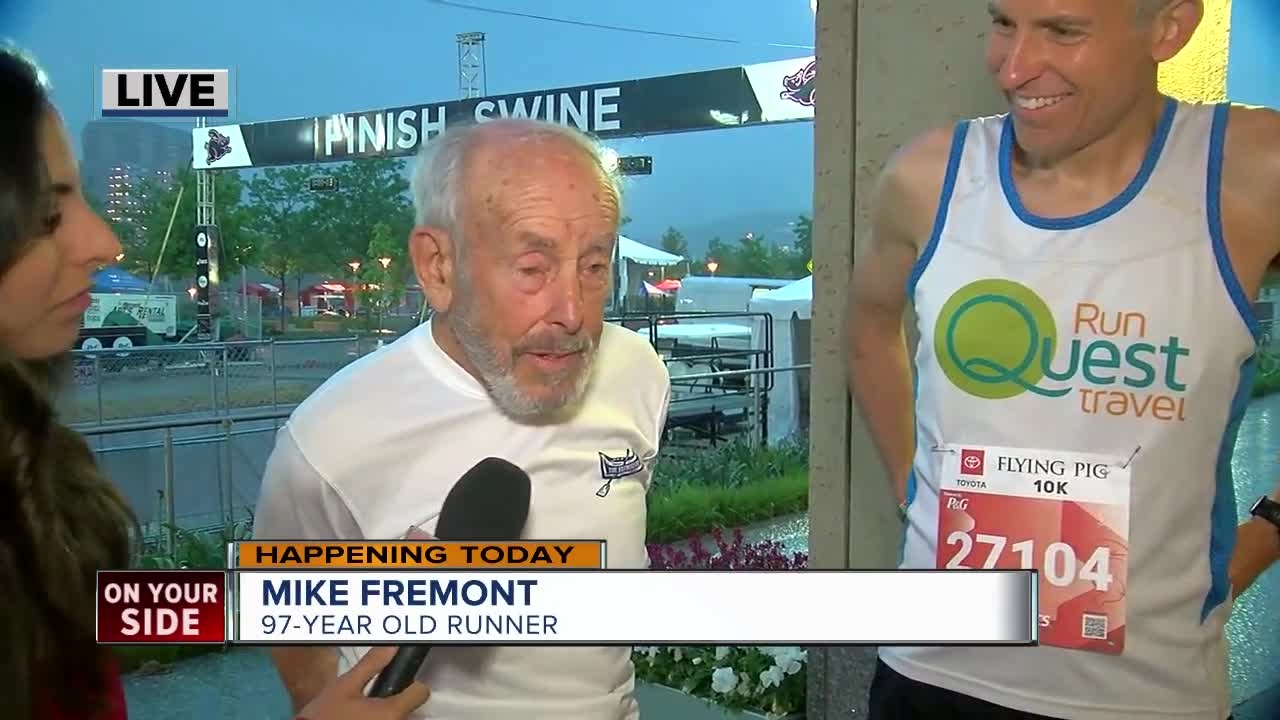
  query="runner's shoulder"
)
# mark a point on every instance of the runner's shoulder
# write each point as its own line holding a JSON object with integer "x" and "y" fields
{"x": 1256, "y": 131}
{"x": 1251, "y": 172}
{"x": 1254, "y": 119}
{"x": 910, "y": 186}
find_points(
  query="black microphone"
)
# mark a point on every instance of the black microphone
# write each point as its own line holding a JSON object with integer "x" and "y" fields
{"x": 489, "y": 503}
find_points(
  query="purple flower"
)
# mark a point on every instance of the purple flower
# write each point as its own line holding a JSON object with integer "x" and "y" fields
{"x": 729, "y": 555}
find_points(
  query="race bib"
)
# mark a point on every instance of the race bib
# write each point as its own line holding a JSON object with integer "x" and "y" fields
{"x": 1065, "y": 515}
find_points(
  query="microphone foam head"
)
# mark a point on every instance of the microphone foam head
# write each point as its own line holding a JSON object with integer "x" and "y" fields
{"x": 490, "y": 502}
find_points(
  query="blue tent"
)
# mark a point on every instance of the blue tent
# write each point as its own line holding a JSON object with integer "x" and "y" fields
{"x": 115, "y": 280}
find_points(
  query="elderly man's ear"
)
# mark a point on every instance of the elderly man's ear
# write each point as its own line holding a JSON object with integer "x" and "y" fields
{"x": 432, "y": 252}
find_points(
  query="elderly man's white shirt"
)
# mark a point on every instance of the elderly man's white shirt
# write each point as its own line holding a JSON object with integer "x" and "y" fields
{"x": 378, "y": 446}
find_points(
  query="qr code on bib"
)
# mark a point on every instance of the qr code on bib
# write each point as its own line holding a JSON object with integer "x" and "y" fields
{"x": 1093, "y": 627}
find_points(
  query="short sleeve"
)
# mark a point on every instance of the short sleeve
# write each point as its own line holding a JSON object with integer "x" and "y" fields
{"x": 297, "y": 502}
{"x": 663, "y": 404}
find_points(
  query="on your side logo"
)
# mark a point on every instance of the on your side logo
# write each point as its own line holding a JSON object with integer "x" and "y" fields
{"x": 997, "y": 339}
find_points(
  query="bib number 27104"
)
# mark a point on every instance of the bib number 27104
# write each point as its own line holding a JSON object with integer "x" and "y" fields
{"x": 1063, "y": 514}
{"x": 1058, "y": 562}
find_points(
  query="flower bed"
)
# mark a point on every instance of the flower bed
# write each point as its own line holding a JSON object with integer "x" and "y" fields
{"x": 767, "y": 681}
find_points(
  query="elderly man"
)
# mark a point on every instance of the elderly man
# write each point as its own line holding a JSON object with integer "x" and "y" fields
{"x": 1081, "y": 269}
{"x": 515, "y": 228}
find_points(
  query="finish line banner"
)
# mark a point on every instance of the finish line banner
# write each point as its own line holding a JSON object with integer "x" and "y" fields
{"x": 552, "y": 593}
{"x": 780, "y": 91}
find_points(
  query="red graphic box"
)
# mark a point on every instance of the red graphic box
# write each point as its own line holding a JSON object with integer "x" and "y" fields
{"x": 164, "y": 607}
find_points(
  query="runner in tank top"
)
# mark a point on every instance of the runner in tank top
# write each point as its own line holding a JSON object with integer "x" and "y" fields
{"x": 1082, "y": 270}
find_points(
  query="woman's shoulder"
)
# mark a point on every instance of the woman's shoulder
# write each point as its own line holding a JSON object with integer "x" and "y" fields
{"x": 113, "y": 690}
{"x": 113, "y": 700}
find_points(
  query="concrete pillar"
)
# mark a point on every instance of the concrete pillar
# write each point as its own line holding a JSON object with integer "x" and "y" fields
{"x": 887, "y": 70}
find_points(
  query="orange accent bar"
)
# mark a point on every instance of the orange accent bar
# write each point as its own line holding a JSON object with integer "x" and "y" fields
{"x": 420, "y": 554}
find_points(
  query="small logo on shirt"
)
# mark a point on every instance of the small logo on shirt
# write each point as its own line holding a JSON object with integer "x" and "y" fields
{"x": 613, "y": 468}
{"x": 972, "y": 462}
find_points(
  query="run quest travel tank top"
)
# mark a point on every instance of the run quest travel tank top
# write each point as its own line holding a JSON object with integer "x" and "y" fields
{"x": 1079, "y": 386}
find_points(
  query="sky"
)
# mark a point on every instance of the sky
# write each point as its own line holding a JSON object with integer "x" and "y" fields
{"x": 296, "y": 59}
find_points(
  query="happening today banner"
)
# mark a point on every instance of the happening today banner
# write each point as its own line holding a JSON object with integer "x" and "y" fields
{"x": 547, "y": 593}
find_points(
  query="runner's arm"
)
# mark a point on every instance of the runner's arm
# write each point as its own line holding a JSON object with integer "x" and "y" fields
{"x": 904, "y": 204}
{"x": 1251, "y": 209}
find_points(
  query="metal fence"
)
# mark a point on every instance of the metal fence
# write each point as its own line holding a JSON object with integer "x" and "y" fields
{"x": 204, "y": 473}
{"x": 187, "y": 473}
{"x": 242, "y": 314}
{"x": 202, "y": 379}
{"x": 185, "y": 430}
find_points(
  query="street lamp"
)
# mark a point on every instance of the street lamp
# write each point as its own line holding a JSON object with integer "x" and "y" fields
{"x": 355, "y": 284}
{"x": 385, "y": 301}
{"x": 712, "y": 266}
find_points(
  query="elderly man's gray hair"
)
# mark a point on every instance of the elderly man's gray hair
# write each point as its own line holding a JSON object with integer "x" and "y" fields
{"x": 437, "y": 180}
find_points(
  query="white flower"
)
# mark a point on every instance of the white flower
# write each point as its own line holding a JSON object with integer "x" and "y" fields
{"x": 771, "y": 677}
{"x": 722, "y": 652}
{"x": 697, "y": 660}
{"x": 744, "y": 684}
{"x": 649, "y": 650}
{"x": 724, "y": 680}
{"x": 790, "y": 659}
{"x": 677, "y": 654}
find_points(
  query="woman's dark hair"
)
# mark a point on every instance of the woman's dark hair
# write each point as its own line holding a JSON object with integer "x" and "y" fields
{"x": 61, "y": 519}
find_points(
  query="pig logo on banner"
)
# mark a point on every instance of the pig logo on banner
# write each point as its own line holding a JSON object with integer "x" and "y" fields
{"x": 802, "y": 86}
{"x": 219, "y": 146}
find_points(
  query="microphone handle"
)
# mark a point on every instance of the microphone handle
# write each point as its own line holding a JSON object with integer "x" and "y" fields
{"x": 399, "y": 673}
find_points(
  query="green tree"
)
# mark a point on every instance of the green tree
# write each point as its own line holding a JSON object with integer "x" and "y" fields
{"x": 753, "y": 257}
{"x": 284, "y": 221}
{"x": 673, "y": 242}
{"x": 384, "y": 270}
{"x": 370, "y": 192}
{"x": 803, "y": 230}
{"x": 145, "y": 248}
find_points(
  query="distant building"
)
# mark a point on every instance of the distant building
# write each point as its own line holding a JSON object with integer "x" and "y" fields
{"x": 119, "y": 154}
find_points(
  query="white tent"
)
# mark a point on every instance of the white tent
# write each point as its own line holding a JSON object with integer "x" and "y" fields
{"x": 787, "y": 305}
{"x": 793, "y": 299}
{"x": 642, "y": 254}
{"x": 628, "y": 252}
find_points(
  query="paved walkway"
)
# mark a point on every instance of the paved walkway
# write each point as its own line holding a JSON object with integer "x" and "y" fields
{"x": 237, "y": 685}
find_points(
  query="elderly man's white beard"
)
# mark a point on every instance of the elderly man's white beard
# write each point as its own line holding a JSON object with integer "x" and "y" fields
{"x": 499, "y": 377}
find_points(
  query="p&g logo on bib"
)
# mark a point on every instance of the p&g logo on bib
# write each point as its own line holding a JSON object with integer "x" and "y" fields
{"x": 997, "y": 339}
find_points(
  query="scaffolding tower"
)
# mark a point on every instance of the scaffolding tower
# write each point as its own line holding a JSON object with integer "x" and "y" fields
{"x": 471, "y": 77}
{"x": 205, "y": 216}
{"x": 204, "y": 188}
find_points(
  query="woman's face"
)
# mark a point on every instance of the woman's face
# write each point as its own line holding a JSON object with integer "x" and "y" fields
{"x": 46, "y": 291}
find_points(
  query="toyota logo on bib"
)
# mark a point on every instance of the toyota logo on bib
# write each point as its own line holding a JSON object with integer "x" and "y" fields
{"x": 972, "y": 462}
